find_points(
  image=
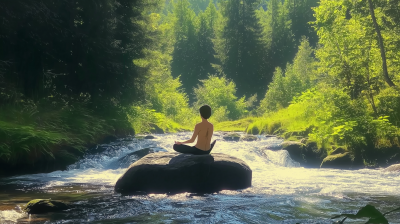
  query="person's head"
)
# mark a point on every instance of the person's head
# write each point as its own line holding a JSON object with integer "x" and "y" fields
{"x": 205, "y": 111}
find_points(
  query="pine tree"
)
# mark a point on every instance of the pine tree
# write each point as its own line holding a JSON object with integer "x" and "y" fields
{"x": 184, "y": 54}
{"x": 205, "y": 47}
{"x": 238, "y": 46}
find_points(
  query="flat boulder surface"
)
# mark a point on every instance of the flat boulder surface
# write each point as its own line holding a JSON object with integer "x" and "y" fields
{"x": 167, "y": 172}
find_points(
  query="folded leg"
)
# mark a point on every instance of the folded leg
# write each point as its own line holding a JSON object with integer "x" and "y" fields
{"x": 185, "y": 149}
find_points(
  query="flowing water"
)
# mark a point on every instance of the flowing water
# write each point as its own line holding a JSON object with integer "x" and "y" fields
{"x": 281, "y": 192}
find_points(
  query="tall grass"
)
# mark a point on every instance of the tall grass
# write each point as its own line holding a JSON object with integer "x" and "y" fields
{"x": 44, "y": 133}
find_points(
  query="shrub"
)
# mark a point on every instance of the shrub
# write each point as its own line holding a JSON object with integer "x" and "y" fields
{"x": 219, "y": 93}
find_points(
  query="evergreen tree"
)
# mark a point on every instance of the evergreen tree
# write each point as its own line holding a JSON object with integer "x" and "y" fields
{"x": 205, "y": 47}
{"x": 301, "y": 14}
{"x": 277, "y": 35}
{"x": 73, "y": 48}
{"x": 238, "y": 46}
{"x": 184, "y": 54}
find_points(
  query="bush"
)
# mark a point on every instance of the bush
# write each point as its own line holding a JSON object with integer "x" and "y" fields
{"x": 388, "y": 104}
{"x": 219, "y": 93}
{"x": 289, "y": 83}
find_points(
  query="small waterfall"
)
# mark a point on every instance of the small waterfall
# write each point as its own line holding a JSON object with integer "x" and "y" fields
{"x": 280, "y": 158}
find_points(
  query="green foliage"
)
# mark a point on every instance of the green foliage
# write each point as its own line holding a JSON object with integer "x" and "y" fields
{"x": 88, "y": 47}
{"x": 368, "y": 211}
{"x": 286, "y": 85}
{"x": 42, "y": 130}
{"x": 329, "y": 117}
{"x": 232, "y": 126}
{"x": 388, "y": 104}
{"x": 164, "y": 99}
{"x": 277, "y": 33}
{"x": 220, "y": 94}
{"x": 238, "y": 46}
{"x": 143, "y": 118}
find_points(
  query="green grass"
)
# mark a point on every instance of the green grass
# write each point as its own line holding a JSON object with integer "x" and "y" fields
{"x": 232, "y": 126}
{"x": 295, "y": 120}
{"x": 42, "y": 134}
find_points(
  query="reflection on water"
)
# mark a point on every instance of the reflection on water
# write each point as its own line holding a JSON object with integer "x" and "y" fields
{"x": 281, "y": 192}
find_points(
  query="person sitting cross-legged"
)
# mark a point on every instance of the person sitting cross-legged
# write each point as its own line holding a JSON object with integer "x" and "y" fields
{"x": 203, "y": 131}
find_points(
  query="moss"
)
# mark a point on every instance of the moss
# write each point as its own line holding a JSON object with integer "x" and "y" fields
{"x": 334, "y": 157}
{"x": 39, "y": 206}
{"x": 339, "y": 161}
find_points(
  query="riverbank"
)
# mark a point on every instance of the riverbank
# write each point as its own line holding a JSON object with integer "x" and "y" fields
{"x": 45, "y": 139}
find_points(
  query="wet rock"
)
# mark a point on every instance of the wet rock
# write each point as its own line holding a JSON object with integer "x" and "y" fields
{"x": 308, "y": 154}
{"x": 149, "y": 137}
{"x": 155, "y": 129}
{"x": 139, "y": 137}
{"x": 231, "y": 137}
{"x": 382, "y": 157}
{"x": 167, "y": 172}
{"x": 128, "y": 159}
{"x": 249, "y": 138}
{"x": 143, "y": 152}
{"x": 294, "y": 149}
{"x": 270, "y": 136}
{"x": 39, "y": 206}
{"x": 393, "y": 168}
{"x": 338, "y": 161}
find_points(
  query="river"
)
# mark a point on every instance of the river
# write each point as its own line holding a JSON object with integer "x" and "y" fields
{"x": 281, "y": 192}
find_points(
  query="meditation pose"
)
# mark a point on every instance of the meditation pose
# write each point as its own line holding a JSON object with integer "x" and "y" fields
{"x": 203, "y": 131}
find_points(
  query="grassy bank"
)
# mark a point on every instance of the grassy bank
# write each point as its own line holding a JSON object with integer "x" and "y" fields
{"x": 332, "y": 119}
{"x": 41, "y": 138}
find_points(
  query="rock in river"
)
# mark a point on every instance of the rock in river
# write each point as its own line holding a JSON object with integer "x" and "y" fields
{"x": 395, "y": 167}
{"x": 167, "y": 172}
{"x": 39, "y": 206}
{"x": 338, "y": 161}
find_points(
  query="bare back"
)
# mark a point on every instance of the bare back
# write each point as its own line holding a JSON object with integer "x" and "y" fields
{"x": 203, "y": 131}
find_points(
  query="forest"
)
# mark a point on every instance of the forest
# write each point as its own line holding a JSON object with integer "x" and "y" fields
{"x": 76, "y": 73}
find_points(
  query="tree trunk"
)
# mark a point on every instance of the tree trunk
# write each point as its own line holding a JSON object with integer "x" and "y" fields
{"x": 380, "y": 40}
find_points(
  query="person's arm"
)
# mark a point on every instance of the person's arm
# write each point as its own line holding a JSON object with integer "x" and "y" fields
{"x": 194, "y": 136}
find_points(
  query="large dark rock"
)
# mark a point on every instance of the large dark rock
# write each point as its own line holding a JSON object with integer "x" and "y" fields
{"x": 382, "y": 157}
{"x": 308, "y": 154}
{"x": 167, "y": 172}
{"x": 39, "y": 206}
{"x": 294, "y": 149}
{"x": 339, "y": 161}
{"x": 393, "y": 168}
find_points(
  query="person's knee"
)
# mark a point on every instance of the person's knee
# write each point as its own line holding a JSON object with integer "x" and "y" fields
{"x": 175, "y": 147}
